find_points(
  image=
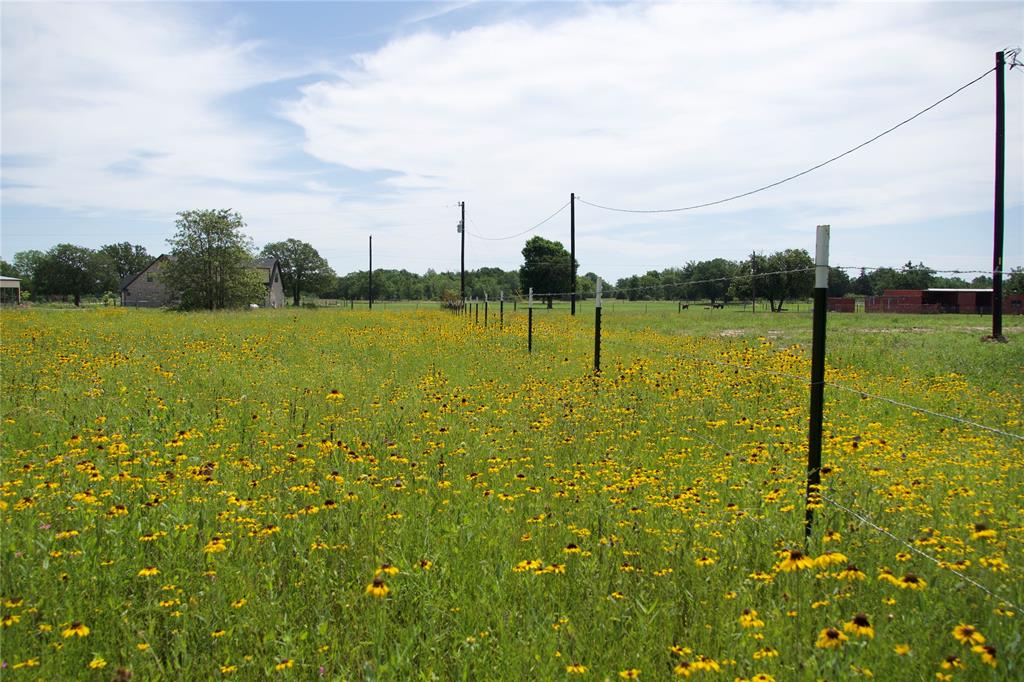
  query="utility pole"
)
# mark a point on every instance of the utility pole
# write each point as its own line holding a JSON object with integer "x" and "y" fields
{"x": 997, "y": 241}
{"x": 572, "y": 247}
{"x": 753, "y": 290}
{"x": 370, "y": 290}
{"x": 462, "y": 231}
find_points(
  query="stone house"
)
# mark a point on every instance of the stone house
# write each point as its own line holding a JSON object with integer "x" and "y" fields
{"x": 146, "y": 290}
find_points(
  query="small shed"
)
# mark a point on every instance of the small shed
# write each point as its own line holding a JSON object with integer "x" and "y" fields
{"x": 841, "y": 305}
{"x": 10, "y": 290}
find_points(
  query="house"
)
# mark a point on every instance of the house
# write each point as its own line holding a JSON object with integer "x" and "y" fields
{"x": 10, "y": 290}
{"x": 270, "y": 275}
{"x": 147, "y": 290}
{"x": 969, "y": 301}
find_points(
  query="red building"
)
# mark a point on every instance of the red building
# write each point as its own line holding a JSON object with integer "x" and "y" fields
{"x": 963, "y": 301}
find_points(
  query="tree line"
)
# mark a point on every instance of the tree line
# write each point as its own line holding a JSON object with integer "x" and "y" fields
{"x": 210, "y": 267}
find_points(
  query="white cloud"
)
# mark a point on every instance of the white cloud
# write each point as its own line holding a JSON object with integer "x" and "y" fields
{"x": 122, "y": 110}
{"x": 660, "y": 105}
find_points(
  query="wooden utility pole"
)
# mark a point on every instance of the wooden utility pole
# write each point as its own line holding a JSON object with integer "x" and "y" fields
{"x": 462, "y": 231}
{"x": 572, "y": 247}
{"x": 370, "y": 290}
{"x": 753, "y": 290}
{"x": 997, "y": 240}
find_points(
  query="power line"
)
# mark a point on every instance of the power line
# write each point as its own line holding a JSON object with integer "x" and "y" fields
{"x": 871, "y": 524}
{"x": 797, "y": 175}
{"x": 519, "y": 234}
{"x": 924, "y": 410}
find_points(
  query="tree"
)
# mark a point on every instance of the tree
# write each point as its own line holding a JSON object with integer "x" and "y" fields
{"x": 70, "y": 270}
{"x": 210, "y": 259}
{"x": 915, "y": 276}
{"x": 8, "y": 270}
{"x": 26, "y": 263}
{"x": 839, "y": 283}
{"x": 1014, "y": 283}
{"x": 545, "y": 268}
{"x": 710, "y": 279}
{"x": 128, "y": 259}
{"x": 302, "y": 268}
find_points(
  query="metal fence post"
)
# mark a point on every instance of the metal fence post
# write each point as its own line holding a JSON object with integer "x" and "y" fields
{"x": 817, "y": 376}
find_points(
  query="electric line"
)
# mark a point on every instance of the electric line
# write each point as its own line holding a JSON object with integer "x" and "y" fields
{"x": 797, "y": 175}
{"x": 519, "y": 234}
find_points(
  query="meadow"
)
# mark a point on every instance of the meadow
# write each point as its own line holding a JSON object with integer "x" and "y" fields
{"x": 404, "y": 494}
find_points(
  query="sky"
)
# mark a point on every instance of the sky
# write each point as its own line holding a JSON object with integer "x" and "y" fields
{"x": 331, "y": 122}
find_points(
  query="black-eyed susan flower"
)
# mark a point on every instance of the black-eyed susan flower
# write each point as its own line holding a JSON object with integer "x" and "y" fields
{"x": 284, "y": 664}
{"x": 97, "y": 663}
{"x": 683, "y": 668}
{"x": 629, "y": 674}
{"x": 76, "y": 629}
{"x": 335, "y": 394}
{"x": 911, "y": 581}
{"x": 215, "y": 545}
{"x": 794, "y": 560}
{"x": 9, "y": 620}
{"x": 952, "y": 663}
{"x": 762, "y": 677}
{"x": 749, "y": 619}
{"x": 830, "y": 638}
{"x": 987, "y": 653}
{"x": 830, "y": 559}
{"x": 901, "y": 649}
{"x": 851, "y": 573}
{"x": 704, "y": 561}
{"x": 860, "y": 625}
{"x": 148, "y": 571}
{"x": 387, "y": 569}
{"x": 968, "y": 634}
{"x": 575, "y": 668}
{"x": 981, "y": 531}
{"x": 378, "y": 588}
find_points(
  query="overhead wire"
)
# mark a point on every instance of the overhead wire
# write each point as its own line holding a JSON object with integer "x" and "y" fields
{"x": 795, "y": 175}
{"x": 518, "y": 234}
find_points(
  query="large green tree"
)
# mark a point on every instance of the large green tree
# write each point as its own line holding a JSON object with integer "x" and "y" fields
{"x": 302, "y": 268}
{"x": 710, "y": 279}
{"x": 26, "y": 263}
{"x": 70, "y": 270}
{"x": 1014, "y": 282}
{"x": 127, "y": 259}
{"x": 545, "y": 268}
{"x": 210, "y": 262}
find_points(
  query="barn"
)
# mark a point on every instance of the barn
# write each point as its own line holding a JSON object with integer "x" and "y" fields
{"x": 10, "y": 290}
{"x": 962, "y": 301}
{"x": 146, "y": 290}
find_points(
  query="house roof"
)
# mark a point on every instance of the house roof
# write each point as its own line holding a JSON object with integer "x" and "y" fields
{"x": 5, "y": 278}
{"x": 265, "y": 264}
{"x": 131, "y": 278}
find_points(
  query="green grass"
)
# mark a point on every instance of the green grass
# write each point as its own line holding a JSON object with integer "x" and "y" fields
{"x": 134, "y": 438}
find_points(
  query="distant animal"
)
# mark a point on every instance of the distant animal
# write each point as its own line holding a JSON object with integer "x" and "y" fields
{"x": 718, "y": 305}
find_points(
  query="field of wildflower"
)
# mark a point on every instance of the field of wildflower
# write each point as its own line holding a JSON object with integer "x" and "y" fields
{"x": 408, "y": 495}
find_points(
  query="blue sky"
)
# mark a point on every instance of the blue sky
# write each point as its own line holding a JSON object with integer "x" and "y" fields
{"x": 328, "y": 122}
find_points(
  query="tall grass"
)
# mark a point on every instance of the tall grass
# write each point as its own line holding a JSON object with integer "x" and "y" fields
{"x": 404, "y": 495}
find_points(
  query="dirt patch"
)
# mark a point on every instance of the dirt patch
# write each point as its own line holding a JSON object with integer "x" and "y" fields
{"x": 731, "y": 333}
